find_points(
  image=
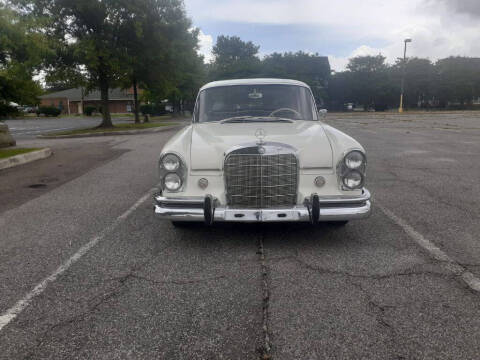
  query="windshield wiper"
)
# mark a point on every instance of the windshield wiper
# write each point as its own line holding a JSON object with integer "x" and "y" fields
{"x": 235, "y": 119}
{"x": 242, "y": 119}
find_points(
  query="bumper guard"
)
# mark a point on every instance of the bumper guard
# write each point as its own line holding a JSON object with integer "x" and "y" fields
{"x": 316, "y": 208}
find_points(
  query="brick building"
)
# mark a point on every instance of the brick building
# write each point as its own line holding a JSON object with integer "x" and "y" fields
{"x": 73, "y": 101}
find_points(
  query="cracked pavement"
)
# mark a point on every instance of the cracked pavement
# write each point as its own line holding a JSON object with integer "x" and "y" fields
{"x": 286, "y": 291}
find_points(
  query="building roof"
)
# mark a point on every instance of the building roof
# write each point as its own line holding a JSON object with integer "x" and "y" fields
{"x": 261, "y": 81}
{"x": 76, "y": 95}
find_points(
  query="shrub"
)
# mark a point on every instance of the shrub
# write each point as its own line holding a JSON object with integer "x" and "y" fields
{"x": 89, "y": 110}
{"x": 153, "y": 109}
{"x": 48, "y": 111}
{"x": 7, "y": 110}
{"x": 146, "y": 109}
{"x": 381, "y": 107}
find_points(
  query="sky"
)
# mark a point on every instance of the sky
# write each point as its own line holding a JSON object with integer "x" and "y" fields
{"x": 341, "y": 29}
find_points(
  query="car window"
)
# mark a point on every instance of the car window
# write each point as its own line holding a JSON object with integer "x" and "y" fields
{"x": 281, "y": 101}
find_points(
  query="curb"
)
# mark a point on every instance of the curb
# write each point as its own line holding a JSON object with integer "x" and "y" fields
{"x": 25, "y": 158}
{"x": 113, "y": 133}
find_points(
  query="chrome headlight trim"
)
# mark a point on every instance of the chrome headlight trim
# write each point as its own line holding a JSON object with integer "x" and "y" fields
{"x": 359, "y": 186}
{"x": 181, "y": 171}
{"x": 352, "y": 152}
{"x": 172, "y": 178}
{"x": 343, "y": 169}
{"x": 171, "y": 162}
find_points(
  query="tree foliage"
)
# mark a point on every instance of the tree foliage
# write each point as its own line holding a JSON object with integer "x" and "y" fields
{"x": 21, "y": 54}
{"x": 116, "y": 43}
{"x": 152, "y": 45}
{"x": 369, "y": 81}
{"x": 234, "y": 59}
{"x": 85, "y": 38}
{"x": 159, "y": 46}
{"x": 312, "y": 69}
{"x": 457, "y": 79}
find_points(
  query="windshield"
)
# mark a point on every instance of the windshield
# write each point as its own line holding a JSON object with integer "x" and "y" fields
{"x": 255, "y": 101}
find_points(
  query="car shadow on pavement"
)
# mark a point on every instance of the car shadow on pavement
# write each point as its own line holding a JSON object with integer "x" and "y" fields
{"x": 293, "y": 232}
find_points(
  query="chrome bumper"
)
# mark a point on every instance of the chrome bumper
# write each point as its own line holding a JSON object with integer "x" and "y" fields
{"x": 201, "y": 209}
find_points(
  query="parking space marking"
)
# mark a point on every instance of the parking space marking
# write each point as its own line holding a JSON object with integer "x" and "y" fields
{"x": 16, "y": 309}
{"x": 469, "y": 278}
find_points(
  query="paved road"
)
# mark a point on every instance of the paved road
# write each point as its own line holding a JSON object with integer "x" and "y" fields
{"x": 137, "y": 288}
{"x": 30, "y": 128}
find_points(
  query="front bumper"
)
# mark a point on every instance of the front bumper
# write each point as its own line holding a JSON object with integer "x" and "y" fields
{"x": 317, "y": 208}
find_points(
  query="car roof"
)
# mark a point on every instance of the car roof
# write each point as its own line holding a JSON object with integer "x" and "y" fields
{"x": 260, "y": 81}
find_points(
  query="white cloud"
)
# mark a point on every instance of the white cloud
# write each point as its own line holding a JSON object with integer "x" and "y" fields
{"x": 340, "y": 63}
{"x": 439, "y": 28}
{"x": 205, "y": 43}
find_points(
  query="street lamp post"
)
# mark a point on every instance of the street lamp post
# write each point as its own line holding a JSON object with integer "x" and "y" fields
{"x": 400, "y": 109}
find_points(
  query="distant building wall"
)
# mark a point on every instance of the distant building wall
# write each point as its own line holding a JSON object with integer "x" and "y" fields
{"x": 74, "y": 108}
{"x": 115, "y": 106}
{"x": 60, "y": 103}
{"x": 69, "y": 100}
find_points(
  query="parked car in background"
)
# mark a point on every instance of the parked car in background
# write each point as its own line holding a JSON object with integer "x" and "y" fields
{"x": 256, "y": 151}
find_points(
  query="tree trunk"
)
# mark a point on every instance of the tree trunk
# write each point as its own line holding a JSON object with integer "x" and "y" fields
{"x": 135, "y": 101}
{"x": 176, "y": 107}
{"x": 106, "y": 118}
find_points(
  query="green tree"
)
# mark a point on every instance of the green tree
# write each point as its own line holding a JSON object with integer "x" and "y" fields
{"x": 234, "y": 58}
{"x": 457, "y": 80}
{"x": 370, "y": 82}
{"x": 21, "y": 54}
{"x": 189, "y": 74}
{"x": 312, "y": 69}
{"x": 160, "y": 51}
{"x": 419, "y": 80}
{"x": 145, "y": 40}
{"x": 85, "y": 36}
{"x": 339, "y": 90}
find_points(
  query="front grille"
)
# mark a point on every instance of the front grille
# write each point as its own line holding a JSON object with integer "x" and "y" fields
{"x": 260, "y": 180}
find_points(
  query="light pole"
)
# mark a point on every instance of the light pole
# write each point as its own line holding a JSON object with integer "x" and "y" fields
{"x": 400, "y": 108}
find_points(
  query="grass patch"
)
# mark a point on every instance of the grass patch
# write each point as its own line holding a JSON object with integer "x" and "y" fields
{"x": 117, "y": 127}
{"x": 5, "y": 153}
{"x": 141, "y": 125}
{"x": 160, "y": 117}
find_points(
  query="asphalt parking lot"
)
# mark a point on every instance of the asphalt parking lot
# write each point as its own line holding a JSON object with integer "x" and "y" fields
{"x": 87, "y": 272}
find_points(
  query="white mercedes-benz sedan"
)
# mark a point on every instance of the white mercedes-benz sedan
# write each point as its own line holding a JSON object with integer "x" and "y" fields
{"x": 257, "y": 151}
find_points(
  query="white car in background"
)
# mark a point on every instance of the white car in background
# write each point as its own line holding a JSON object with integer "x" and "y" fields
{"x": 257, "y": 151}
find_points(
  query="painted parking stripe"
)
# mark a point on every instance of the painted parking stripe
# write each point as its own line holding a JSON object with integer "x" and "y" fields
{"x": 469, "y": 278}
{"x": 16, "y": 309}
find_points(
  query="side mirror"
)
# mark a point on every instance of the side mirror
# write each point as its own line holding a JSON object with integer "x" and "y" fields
{"x": 323, "y": 113}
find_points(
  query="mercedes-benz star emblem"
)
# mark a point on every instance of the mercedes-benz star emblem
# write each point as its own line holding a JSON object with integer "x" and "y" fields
{"x": 260, "y": 134}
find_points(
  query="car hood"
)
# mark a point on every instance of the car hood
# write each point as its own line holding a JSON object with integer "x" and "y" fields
{"x": 211, "y": 141}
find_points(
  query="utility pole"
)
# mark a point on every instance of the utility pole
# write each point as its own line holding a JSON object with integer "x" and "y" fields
{"x": 400, "y": 109}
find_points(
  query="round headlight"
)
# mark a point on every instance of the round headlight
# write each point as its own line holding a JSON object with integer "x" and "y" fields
{"x": 172, "y": 182}
{"x": 171, "y": 162}
{"x": 353, "y": 180}
{"x": 354, "y": 159}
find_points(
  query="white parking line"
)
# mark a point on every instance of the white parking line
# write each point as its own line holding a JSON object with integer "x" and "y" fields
{"x": 470, "y": 279}
{"x": 16, "y": 309}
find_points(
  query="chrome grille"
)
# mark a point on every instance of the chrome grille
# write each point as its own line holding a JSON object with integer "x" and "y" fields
{"x": 260, "y": 181}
